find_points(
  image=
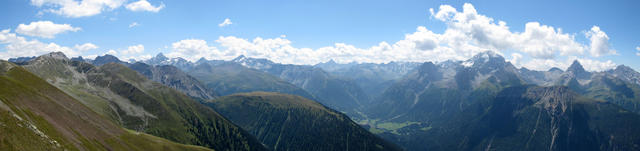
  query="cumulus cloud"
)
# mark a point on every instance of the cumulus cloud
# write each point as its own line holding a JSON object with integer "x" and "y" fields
{"x": 193, "y": 49}
{"x": 73, "y": 8}
{"x": 515, "y": 59}
{"x": 134, "y": 24}
{"x": 44, "y": 29}
{"x": 226, "y": 22}
{"x": 599, "y": 42}
{"x": 470, "y": 28}
{"x": 17, "y": 46}
{"x": 588, "y": 64}
{"x": 135, "y": 49}
{"x": 111, "y": 52}
{"x": 85, "y": 47}
{"x": 144, "y": 5}
{"x": 537, "y": 47}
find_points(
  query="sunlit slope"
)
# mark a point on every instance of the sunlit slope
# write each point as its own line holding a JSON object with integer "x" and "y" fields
{"x": 131, "y": 100}
{"x": 35, "y": 115}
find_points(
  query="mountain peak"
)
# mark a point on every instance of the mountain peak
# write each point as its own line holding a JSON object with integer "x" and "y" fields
{"x": 161, "y": 56}
{"x": 79, "y": 58}
{"x": 487, "y": 56}
{"x": 577, "y": 70}
{"x": 623, "y": 68}
{"x": 576, "y": 67}
{"x": 56, "y": 55}
{"x": 240, "y": 58}
{"x": 107, "y": 58}
{"x": 201, "y": 60}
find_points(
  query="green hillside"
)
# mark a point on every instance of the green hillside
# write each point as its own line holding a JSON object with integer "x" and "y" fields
{"x": 287, "y": 122}
{"x": 133, "y": 101}
{"x": 35, "y": 115}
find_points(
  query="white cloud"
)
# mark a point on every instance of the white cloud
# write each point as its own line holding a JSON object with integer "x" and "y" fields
{"x": 73, "y": 8}
{"x": 44, "y": 29}
{"x": 134, "y": 24}
{"x": 515, "y": 59}
{"x": 85, "y": 47}
{"x": 638, "y": 53}
{"x": 470, "y": 28}
{"x": 135, "y": 49}
{"x": 599, "y": 42}
{"x": 595, "y": 65}
{"x": 17, "y": 46}
{"x": 226, "y": 22}
{"x": 192, "y": 49}
{"x": 133, "y": 59}
{"x": 588, "y": 64}
{"x": 144, "y": 5}
{"x": 111, "y": 52}
{"x": 538, "y": 46}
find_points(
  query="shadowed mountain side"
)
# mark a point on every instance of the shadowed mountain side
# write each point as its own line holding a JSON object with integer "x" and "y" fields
{"x": 287, "y": 122}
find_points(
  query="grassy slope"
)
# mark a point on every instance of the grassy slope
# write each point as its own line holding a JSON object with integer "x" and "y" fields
{"x": 287, "y": 122}
{"x": 131, "y": 100}
{"x": 179, "y": 117}
{"x": 37, "y": 116}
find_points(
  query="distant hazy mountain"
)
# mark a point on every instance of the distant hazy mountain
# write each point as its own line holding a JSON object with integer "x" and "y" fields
{"x": 131, "y": 100}
{"x": 160, "y": 59}
{"x": 626, "y": 73}
{"x": 21, "y": 60}
{"x": 35, "y": 115}
{"x": 228, "y": 78}
{"x": 100, "y": 60}
{"x": 372, "y": 78}
{"x": 287, "y": 122}
{"x": 434, "y": 91}
{"x": 341, "y": 94}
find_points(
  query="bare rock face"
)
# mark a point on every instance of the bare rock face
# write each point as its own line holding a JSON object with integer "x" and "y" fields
{"x": 175, "y": 78}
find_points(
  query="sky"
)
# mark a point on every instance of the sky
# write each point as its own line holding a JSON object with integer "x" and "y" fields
{"x": 533, "y": 34}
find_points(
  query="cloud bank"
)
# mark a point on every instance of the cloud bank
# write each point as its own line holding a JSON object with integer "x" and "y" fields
{"x": 538, "y": 47}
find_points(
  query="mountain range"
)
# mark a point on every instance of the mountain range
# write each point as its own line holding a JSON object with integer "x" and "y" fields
{"x": 482, "y": 103}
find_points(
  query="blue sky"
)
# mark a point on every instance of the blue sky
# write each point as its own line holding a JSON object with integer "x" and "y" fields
{"x": 305, "y": 32}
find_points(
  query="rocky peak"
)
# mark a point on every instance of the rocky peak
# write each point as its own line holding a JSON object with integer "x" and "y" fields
{"x": 100, "y": 60}
{"x": 21, "y": 59}
{"x": 158, "y": 59}
{"x": 626, "y": 73}
{"x": 201, "y": 60}
{"x": 161, "y": 56}
{"x": 576, "y": 67}
{"x": 486, "y": 57}
{"x": 79, "y": 58}
{"x": 578, "y": 71}
{"x": 240, "y": 58}
{"x": 623, "y": 68}
{"x": 56, "y": 55}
